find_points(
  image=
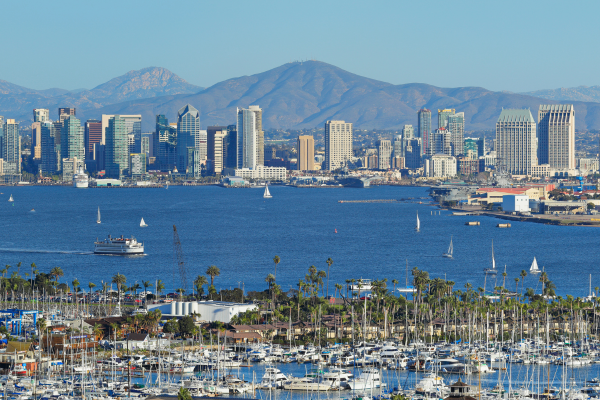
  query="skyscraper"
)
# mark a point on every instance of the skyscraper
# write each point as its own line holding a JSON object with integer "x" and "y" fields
{"x": 188, "y": 130}
{"x": 251, "y": 146}
{"x": 165, "y": 144}
{"x": 408, "y": 132}
{"x": 556, "y": 136}
{"x": 306, "y": 153}
{"x": 424, "y": 130}
{"x": 216, "y": 147}
{"x": 41, "y": 115}
{"x": 65, "y": 112}
{"x": 412, "y": 153}
{"x": 11, "y": 147}
{"x": 338, "y": 144}
{"x": 92, "y": 135}
{"x": 384, "y": 153}
{"x": 456, "y": 126}
{"x": 72, "y": 135}
{"x": 49, "y": 164}
{"x": 133, "y": 125}
{"x": 516, "y": 141}
{"x": 443, "y": 117}
{"x": 231, "y": 159}
{"x": 202, "y": 146}
{"x": 36, "y": 140}
{"x": 116, "y": 151}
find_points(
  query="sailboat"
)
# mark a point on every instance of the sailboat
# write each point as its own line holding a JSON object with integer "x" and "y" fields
{"x": 534, "y": 267}
{"x": 143, "y": 224}
{"x": 493, "y": 270}
{"x": 450, "y": 251}
{"x": 418, "y": 227}
{"x": 98, "y": 220}
{"x": 11, "y": 199}
{"x": 267, "y": 195}
{"x": 167, "y": 185}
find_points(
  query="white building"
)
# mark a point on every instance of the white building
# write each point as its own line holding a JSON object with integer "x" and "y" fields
{"x": 516, "y": 141}
{"x": 209, "y": 310}
{"x": 250, "y": 143}
{"x": 588, "y": 166}
{"x": 515, "y": 203}
{"x": 338, "y": 144}
{"x": 71, "y": 167}
{"x": 384, "y": 153}
{"x": 442, "y": 166}
{"x": 262, "y": 172}
{"x": 556, "y": 136}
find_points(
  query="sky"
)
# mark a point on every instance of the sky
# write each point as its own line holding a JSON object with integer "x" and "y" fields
{"x": 500, "y": 45}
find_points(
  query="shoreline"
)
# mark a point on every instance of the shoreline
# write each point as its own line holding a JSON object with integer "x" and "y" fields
{"x": 545, "y": 219}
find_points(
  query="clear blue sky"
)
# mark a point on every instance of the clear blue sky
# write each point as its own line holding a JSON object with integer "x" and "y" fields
{"x": 499, "y": 45}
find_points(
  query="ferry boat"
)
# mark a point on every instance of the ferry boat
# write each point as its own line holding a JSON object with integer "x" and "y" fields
{"x": 120, "y": 246}
{"x": 80, "y": 179}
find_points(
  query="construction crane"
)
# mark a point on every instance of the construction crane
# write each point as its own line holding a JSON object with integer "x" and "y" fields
{"x": 178, "y": 258}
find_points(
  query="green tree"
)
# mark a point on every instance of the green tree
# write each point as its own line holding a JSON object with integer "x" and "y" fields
{"x": 184, "y": 394}
{"x": 187, "y": 326}
{"x": 56, "y": 272}
{"x": 119, "y": 280}
{"x": 199, "y": 283}
{"x": 329, "y": 262}
{"x": 213, "y": 271}
{"x": 276, "y": 260}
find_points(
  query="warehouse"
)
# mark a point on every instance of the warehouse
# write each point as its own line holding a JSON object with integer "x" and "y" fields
{"x": 209, "y": 310}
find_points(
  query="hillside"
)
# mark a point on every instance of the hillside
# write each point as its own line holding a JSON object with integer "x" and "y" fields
{"x": 580, "y": 93}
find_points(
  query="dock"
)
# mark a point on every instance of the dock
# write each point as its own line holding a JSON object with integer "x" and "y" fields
{"x": 370, "y": 201}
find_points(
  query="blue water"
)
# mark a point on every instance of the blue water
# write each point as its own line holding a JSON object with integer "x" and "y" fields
{"x": 240, "y": 232}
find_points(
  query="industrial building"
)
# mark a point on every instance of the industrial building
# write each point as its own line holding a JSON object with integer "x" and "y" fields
{"x": 209, "y": 310}
{"x": 515, "y": 203}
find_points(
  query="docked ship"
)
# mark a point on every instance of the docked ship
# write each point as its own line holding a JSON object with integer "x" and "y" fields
{"x": 119, "y": 246}
{"x": 80, "y": 179}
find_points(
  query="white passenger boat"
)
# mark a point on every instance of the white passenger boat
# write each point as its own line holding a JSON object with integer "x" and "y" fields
{"x": 80, "y": 180}
{"x": 119, "y": 246}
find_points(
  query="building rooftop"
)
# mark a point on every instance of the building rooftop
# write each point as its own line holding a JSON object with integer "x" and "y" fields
{"x": 516, "y": 115}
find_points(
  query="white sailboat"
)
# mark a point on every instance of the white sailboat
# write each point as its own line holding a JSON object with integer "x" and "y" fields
{"x": 418, "y": 227}
{"x": 10, "y": 199}
{"x": 98, "y": 220}
{"x": 167, "y": 185}
{"x": 143, "y": 224}
{"x": 534, "y": 267}
{"x": 493, "y": 270}
{"x": 267, "y": 195}
{"x": 450, "y": 251}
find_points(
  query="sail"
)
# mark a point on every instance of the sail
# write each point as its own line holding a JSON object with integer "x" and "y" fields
{"x": 450, "y": 249}
{"x": 142, "y": 223}
{"x": 11, "y": 199}
{"x": 267, "y": 194}
{"x": 534, "y": 266}
{"x": 98, "y": 220}
{"x": 493, "y": 259}
{"x": 418, "y": 222}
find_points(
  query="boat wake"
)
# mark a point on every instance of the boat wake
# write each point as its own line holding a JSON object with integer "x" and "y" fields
{"x": 85, "y": 253}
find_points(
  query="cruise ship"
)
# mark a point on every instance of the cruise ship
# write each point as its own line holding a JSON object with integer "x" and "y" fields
{"x": 119, "y": 246}
{"x": 80, "y": 179}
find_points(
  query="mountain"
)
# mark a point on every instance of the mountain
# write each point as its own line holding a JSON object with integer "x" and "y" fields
{"x": 294, "y": 95}
{"x": 18, "y": 102}
{"x": 580, "y": 93}
{"x": 306, "y": 94}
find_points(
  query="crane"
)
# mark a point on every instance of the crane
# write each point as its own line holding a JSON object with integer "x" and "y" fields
{"x": 178, "y": 258}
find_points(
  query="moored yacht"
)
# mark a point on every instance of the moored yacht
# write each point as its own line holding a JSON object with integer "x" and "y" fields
{"x": 368, "y": 378}
{"x": 80, "y": 180}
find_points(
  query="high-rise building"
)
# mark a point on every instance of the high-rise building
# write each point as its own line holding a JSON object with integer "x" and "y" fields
{"x": 216, "y": 147}
{"x": 11, "y": 147}
{"x": 338, "y": 144}
{"x": 41, "y": 115}
{"x": 71, "y": 138}
{"x": 133, "y": 124}
{"x": 456, "y": 126}
{"x": 424, "y": 131}
{"x": 202, "y": 146}
{"x": 65, "y": 112}
{"x": 442, "y": 142}
{"x": 412, "y": 152}
{"x": 442, "y": 165}
{"x": 398, "y": 146}
{"x": 443, "y": 117}
{"x": 188, "y": 130}
{"x": 36, "y": 140}
{"x": 408, "y": 132}
{"x": 70, "y": 166}
{"x": 306, "y": 153}
{"x": 116, "y": 150}
{"x": 384, "y": 153}
{"x": 230, "y": 160}
{"x": 49, "y": 164}
{"x": 137, "y": 164}
{"x": 516, "y": 141}
{"x": 250, "y": 137}
{"x": 131, "y": 143}
{"x": 92, "y": 135}
{"x": 165, "y": 143}
{"x": 146, "y": 145}
{"x": 556, "y": 136}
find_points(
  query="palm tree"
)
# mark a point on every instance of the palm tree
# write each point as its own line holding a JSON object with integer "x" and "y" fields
{"x": 276, "y": 260}
{"x": 504, "y": 274}
{"x": 160, "y": 286}
{"x": 56, "y": 272}
{"x": 523, "y": 274}
{"x": 120, "y": 280}
{"x": 146, "y": 285}
{"x": 135, "y": 288}
{"x": 91, "y": 285}
{"x": 213, "y": 271}
{"x": 329, "y": 262}
{"x": 199, "y": 282}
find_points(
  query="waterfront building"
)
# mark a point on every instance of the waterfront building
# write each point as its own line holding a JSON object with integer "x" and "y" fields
{"x": 72, "y": 135}
{"x": 216, "y": 147}
{"x": 146, "y": 145}
{"x": 424, "y": 131}
{"x": 516, "y": 141}
{"x": 116, "y": 151}
{"x": 556, "y": 136}
{"x": 201, "y": 145}
{"x": 263, "y": 172}
{"x": 442, "y": 166}
{"x": 338, "y": 144}
{"x": 165, "y": 143}
{"x": 456, "y": 126}
{"x": 515, "y": 203}
{"x": 443, "y": 117}
{"x": 70, "y": 167}
{"x": 57, "y": 139}
{"x": 92, "y": 136}
{"x": 36, "y": 140}
{"x": 306, "y": 153}
{"x": 188, "y": 130}
{"x": 137, "y": 165}
{"x": 41, "y": 115}
{"x": 11, "y": 148}
{"x": 49, "y": 164}
{"x": 231, "y": 159}
{"x": 65, "y": 112}
{"x": 250, "y": 137}
{"x": 384, "y": 153}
